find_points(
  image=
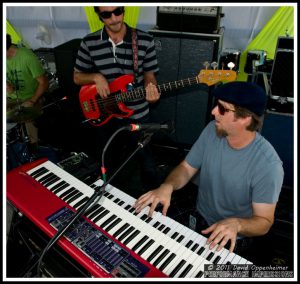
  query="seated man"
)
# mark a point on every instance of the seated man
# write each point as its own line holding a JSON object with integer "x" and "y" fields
{"x": 240, "y": 176}
{"x": 25, "y": 84}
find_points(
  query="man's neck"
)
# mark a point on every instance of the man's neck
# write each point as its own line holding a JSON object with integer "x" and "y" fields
{"x": 117, "y": 37}
{"x": 241, "y": 140}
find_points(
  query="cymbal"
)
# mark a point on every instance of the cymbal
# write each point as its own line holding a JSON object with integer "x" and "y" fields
{"x": 23, "y": 114}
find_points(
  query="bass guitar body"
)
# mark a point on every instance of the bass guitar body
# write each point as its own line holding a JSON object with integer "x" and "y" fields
{"x": 99, "y": 111}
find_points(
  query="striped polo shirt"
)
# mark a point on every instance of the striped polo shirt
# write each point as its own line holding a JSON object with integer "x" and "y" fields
{"x": 98, "y": 53}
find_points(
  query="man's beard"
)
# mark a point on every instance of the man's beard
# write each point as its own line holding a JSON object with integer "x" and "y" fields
{"x": 221, "y": 132}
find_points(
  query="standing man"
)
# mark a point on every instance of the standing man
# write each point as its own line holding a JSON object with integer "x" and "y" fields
{"x": 104, "y": 56}
{"x": 26, "y": 82}
{"x": 241, "y": 174}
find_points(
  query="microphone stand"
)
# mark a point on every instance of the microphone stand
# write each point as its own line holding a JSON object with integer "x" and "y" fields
{"x": 99, "y": 192}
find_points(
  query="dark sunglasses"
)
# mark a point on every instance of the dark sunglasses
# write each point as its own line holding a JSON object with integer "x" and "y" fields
{"x": 107, "y": 14}
{"x": 223, "y": 109}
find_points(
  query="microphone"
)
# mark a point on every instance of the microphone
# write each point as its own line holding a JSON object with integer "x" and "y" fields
{"x": 147, "y": 126}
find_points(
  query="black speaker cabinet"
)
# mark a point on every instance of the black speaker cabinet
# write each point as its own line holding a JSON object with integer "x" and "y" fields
{"x": 278, "y": 129}
{"x": 65, "y": 56}
{"x": 181, "y": 56}
{"x": 282, "y": 74}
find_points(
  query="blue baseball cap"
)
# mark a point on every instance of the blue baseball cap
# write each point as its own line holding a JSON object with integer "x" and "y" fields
{"x": 244, "y": 94}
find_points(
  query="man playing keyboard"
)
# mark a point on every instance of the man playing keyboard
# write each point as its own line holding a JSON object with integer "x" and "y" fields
{"x": 240, "y": 173}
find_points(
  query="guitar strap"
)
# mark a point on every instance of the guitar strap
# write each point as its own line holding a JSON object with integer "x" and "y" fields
{"x": 135, "y": 55}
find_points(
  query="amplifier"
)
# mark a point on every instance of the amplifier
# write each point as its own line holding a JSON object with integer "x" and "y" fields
{"x": 196, "y": 19}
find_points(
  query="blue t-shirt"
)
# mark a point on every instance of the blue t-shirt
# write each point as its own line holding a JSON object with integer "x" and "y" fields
{"x": 230, "y": 180}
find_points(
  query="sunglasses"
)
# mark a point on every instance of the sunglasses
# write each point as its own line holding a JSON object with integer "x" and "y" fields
{"x": 107, "y": 14}
{"x": 223, "y": 109}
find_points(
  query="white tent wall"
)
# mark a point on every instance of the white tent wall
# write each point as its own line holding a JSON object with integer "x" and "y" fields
{"x": 241, "y": 23}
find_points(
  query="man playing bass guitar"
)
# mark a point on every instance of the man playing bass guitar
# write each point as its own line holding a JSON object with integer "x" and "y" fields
{"x": 104, "y": 56}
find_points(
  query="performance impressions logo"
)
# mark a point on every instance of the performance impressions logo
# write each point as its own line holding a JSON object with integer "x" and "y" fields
{"x": 246, "y": 271}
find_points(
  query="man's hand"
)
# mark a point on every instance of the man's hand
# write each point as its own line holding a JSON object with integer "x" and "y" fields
{"x": 28, "y": 103}
{"x": 222, "y": 232}
{"x": 160, "y": 195}
{"x": 102, "y": 86}
{"x": 152, "y": 94}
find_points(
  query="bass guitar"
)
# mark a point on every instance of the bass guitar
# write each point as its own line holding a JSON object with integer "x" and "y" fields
{"x": 99, "y": 111}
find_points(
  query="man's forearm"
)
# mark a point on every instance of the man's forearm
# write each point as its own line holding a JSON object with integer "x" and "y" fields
{"x": 41, "y": 89}
{"x": 180, "y": 176}
{"x": 81, "y": 78}
{"x": 254, "y": 226}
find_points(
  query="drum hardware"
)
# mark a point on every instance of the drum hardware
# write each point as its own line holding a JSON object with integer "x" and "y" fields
{"x": 13, "y": 133}
{"x": 23, "y": 114}
{"x": 18, "y": 150}
{"x": 17, "y": 116}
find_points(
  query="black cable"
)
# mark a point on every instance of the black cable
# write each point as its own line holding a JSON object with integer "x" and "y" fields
{"x": 103, "y": 170}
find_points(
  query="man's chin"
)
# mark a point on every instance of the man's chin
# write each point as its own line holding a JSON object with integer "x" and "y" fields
{"x": 219, "y": 131}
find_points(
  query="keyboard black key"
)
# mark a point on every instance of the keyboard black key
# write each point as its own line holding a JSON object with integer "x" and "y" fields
{"x": 216, "y": 260}
{"x": 113, "y": 224}
{"x": 116, "y": 200}
{"x": 59, "y": 189}
{"x": 166, "y": 230}
{"x": 127, "y": 207}
{"x": 66, "y": 192}
{"x": 190, "y": 242}
{"x": 55, "y": 179}
{"x": 155, "y": 253}
{"x": 80, "y": 203}
{"x": 149, "y": 219}
{"x": 156, "y": 224}
{"x": 73, "y": 196}
{"x": 102, "y": 214}
{"x": 145, "y": 247}
{"x": 140, "y": 242}
{"x": 58, "y": 185}
{"x": 209, "y": 257}
{"x": 70, "y": 194}
{"x": 108, "y": 221}
{"x": 131, "y": 237}
{"x": 167, "y": 261}
{"x": 118, "y": 232}
{"x": 195, "y": 246}
{"x": 161, "y": 257}
{"x": 38, "y": 172}
{"x": 180, "y": 238}
{"x": 126, "y": 233}
{"x": 131, "y": 210}
{"x": 177, "y": 268}
{"x": 174, "y": 235}
{"x": 76, "y": 196}
{"x": 185, "y": 271}
{"x": 202, "y": 249}
{"x": 160, "y": 228}
{"x": 199, "y": 274}
{"x": 144, "y": 217}
{"x": 46, "y": 178}
{"x": 92, "y": 209}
